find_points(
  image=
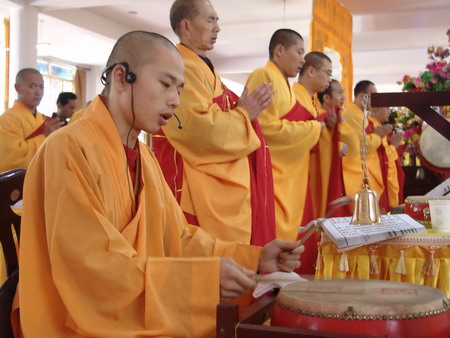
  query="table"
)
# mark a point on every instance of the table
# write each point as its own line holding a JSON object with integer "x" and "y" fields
{"x": 420, "y": 259}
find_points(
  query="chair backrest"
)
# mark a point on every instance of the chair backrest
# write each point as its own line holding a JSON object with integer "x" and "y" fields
{"x": 11, "y": 186}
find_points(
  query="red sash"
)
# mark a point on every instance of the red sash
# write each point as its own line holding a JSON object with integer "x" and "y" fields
{"x": 39, "y": 129}
{"x": 300, "y": 113}
{"x": 384, "y": 165}
{"x": 336, "y": 188}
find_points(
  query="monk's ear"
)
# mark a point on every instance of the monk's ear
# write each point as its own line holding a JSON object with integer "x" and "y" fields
{"x": 185, "y": 26}
{"x": 17, "y": 87}
{"x": 278, "y": 50}
{"x": 118, "y": 78}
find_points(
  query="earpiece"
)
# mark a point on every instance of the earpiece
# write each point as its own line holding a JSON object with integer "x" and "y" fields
{"x": 130, "y": 77}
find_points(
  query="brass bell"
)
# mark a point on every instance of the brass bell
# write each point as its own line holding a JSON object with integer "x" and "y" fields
{"x": 367, "y": 209}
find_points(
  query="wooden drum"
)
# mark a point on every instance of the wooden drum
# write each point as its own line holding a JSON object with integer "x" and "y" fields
{"x": 364, "y": 307}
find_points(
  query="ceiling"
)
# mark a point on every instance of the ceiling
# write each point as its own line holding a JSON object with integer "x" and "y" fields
{"x": 390, "y": 37}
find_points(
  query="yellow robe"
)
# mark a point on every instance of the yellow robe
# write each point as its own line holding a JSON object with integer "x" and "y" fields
{"x": 320, "y": 162}
{"x": 97, "y": 261}
{"x": 354, "y": 117}
{"x": 214, "y": 145}
{"x": 78, "y": 114}
{"x": 375, "y": 173}
{"x": 16, "y": 124}
{"x": 289, "y": 144}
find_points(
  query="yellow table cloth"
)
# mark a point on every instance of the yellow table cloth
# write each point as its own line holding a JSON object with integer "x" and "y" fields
{"x": 420, "y": 259}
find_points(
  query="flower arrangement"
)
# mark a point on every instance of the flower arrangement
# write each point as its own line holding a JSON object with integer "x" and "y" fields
{"x": 402, "y": 119}
{"x": 435, "y": 78}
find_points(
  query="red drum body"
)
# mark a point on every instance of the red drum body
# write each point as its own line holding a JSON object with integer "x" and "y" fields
{"x": 417, "y": 207}
{"x": 364, "y": 307}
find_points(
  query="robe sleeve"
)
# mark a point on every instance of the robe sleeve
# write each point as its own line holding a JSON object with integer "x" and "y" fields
{"x": 15, "y": 151}
{"x": 373, "y": 141}
{"x": 106, "y": 288}
{"x": 209, "y": 135}
{"x": 292, "y": 138}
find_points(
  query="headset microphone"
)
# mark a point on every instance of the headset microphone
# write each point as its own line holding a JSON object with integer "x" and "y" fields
{"x": 180, "y": 126}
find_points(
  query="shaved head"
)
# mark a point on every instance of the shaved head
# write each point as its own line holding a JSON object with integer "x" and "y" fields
{"x": 183, "y": 9}
{"x": 314, "y": 59}
{"x": 22, "y": 73}
{"x": 137, "y": 48}
{"x": 285, "y": 37}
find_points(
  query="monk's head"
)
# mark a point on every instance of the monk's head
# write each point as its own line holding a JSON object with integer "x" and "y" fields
{"x": 286, "y": 50}
{"x": 363, "y": 87}
{"x": 196, "y": 24}
{"x": 316, "y": 72}
{"x": 144, "y": 77}
{"x": 30, "y": 87}
{"x": 333, "y": 96}
{"x": 67, "y": 104}
{"x": 380, "y": 113}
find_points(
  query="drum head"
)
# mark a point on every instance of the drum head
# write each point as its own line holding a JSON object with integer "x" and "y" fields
{"x": 372, "y": 298}
{"x": 435, "y": 148}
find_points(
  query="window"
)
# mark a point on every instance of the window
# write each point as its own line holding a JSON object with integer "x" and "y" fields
{"x": 57, "y": 78}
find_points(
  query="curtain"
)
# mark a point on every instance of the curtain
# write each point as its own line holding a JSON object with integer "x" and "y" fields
{"x": 332, "y": 27}
{"x": 7, "y": 45}
{"x": 80, "y": 87}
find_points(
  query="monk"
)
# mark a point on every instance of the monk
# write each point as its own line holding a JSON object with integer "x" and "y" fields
{"x": 290, "y": 132}
{"x": 66, "y": 104}
{"x": 315, "y": 77}
{"x": 105, "y": 248}
{"x": 22, "y": 127}
{"x": 344, "y": 147}
{"x": 383, "y": 171}
{"x": 218, "y": 165}
{"x": 353, "y": 114}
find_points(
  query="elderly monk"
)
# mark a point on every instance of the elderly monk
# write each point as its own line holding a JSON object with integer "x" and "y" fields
{"x": 218, "y": 165}
{"x": 22, "y": 127}
{"x": 289, "y": 131}
{"x": 354, "y": 116}
{"x": 344, "y": 146}
{"x": 105, "y": 248}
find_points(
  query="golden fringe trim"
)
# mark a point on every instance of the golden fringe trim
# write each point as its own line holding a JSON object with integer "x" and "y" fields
{"x": 401, "y": 266}
{"x": 430, "y": 268}
{"x": 343, "y": 263}
{"x": 373, "y": 270}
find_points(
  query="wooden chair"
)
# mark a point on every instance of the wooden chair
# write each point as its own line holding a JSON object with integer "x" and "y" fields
{"x": 230, "y": 323}
{"x": 11, "y": 186}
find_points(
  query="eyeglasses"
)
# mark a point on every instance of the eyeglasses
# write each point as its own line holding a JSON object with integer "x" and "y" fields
{"x": 327, "y": 72}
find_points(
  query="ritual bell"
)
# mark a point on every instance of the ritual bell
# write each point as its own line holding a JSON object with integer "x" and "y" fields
{"x": 367, "y": 209}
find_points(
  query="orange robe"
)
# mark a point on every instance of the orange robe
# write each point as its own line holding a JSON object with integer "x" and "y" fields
{"x": 290, "y": 140}
{"x": 383, "y": 170}
{"x": 99, "y": 260}
{"x": 353, "y": 171}
{"x": 321, "y": 159}
{"x": 19, "y": 136}
{"x": 212, "y": 179}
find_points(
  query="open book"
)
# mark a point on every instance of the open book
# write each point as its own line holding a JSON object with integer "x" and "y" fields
{"x": 346, "y": 235}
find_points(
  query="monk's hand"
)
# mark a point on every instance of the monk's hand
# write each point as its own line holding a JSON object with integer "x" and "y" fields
{"x": 396, "y": 139}
{"x": 51, "y": 125}
{"x": 383, "y": 130}
{"x": 280, "y": 255}
{"x": 257, "y": 100}
{"x": 331, "y": 120}
{"x": 235, "y": 280}
{"x": 344, "y": 150}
